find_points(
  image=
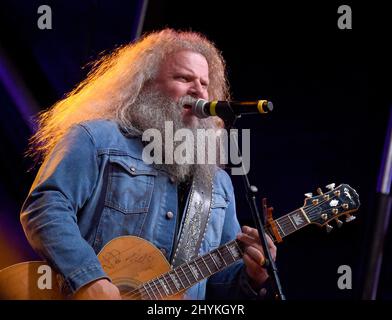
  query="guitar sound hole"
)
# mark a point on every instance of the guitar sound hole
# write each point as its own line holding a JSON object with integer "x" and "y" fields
{"x": 127, "y": 289}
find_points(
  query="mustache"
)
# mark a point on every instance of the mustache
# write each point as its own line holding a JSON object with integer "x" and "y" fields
{"x": 187, "y": 101}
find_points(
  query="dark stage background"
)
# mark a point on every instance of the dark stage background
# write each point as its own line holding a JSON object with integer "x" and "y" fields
{"x": 330, "y": 89}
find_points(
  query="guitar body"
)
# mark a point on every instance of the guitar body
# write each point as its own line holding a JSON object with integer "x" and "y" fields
{"x": 129, "y": 261}
{"x": 20, "y": 282}
{"x": 132, "y": 262}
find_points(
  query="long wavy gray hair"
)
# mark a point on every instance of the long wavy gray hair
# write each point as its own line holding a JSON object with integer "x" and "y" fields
{"x": 115, "y": 82}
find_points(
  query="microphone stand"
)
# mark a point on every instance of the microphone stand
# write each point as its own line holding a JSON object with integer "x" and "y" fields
{"x": 251, "y": 191}
{"x": 382, "y": 217}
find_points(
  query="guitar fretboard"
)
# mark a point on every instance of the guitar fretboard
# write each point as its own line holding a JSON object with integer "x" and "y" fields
{"x": 292, "y": 222}
{"x": 319, "y": 210}
{"x": 190, "y": 273}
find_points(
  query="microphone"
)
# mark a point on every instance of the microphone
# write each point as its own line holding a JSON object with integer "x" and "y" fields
{"x": 224, "y": 109}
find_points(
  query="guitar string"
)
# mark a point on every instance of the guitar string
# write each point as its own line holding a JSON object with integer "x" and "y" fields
{"x": 188, "y": 272}
{"x": 206, "y": 259}
{"x": 311, "y": 213}
{"x": 287, "y": 227}
{"x": 286, "y": 223}
{"x": 225, "y": 255}
{"x": 135, "y": 293}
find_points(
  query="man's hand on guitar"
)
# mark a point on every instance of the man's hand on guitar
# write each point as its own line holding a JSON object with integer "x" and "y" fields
{"x": 254, "y": 255}
{"x": 101, "y": 289}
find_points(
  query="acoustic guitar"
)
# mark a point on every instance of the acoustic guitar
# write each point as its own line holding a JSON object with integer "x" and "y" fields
{"x": 141, "y": 271}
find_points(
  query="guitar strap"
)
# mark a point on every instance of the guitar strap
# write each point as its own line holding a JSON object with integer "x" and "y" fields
{"x": 195, "y": 221}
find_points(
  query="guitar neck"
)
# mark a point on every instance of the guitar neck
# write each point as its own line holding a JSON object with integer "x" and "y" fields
{"x": 291, "y": 222}
{"x": 190, "y": 273}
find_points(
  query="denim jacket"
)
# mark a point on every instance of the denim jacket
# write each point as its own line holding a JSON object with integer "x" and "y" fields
{"x": 94, "y": 186}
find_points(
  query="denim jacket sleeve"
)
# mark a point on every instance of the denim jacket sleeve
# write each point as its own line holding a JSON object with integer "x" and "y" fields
{"x": 63, "y": 184}
{"x": 232, "y": 282}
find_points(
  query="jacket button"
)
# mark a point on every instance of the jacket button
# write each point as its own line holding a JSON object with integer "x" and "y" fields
{"x": 132, "y": 169}
{"x": 169, "y": 214}
{"x": 163, "y": 251}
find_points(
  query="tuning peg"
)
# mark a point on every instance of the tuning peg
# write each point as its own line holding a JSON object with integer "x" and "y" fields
{"x": 319, "y": 191}
{"x": 330, "y": 186}
{"x": 308, "y": 195}
{"x": 338, "y": 222}
{"x": 329, "y": 228}
{"x": 350, "y": 218}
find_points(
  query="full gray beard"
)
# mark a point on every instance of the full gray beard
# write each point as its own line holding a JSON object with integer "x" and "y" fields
{"x": 150, "y": 111}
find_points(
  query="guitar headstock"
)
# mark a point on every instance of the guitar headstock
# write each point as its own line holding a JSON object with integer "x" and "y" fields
{"x": 331, "y": 205}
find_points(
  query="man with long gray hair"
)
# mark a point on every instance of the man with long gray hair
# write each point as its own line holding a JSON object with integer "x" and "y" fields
{"x": 94, "y": 185}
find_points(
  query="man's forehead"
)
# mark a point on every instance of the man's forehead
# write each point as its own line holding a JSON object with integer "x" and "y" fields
{"x": 188, "y": 61}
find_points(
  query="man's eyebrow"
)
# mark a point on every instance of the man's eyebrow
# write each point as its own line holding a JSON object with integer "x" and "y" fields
{"x": 184, "y": 69}
{"x": 206, "y": 81}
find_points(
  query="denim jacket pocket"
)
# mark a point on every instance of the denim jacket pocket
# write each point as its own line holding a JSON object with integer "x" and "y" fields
{"x": 217, "y": 219}
{"x": 130, "y": 186}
